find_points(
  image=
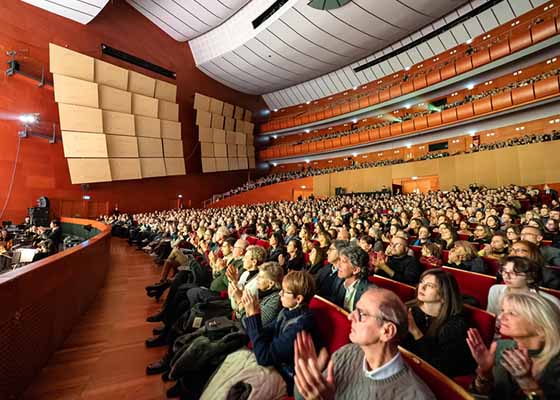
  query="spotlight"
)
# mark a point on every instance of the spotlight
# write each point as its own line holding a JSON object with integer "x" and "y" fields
{"x": 470, "y": 86}
{"x": 29, "y": 119}
{"x": 180, "y": 196}
{"x": 86, "y": 197}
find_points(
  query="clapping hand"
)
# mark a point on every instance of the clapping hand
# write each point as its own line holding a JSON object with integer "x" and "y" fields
{"x": 311, "y": 383}
{"x": 483, "y": 356}
{"x": 519, "y": 364}
{"x": 232, "y": 274}
{"x": 250, "y": 303}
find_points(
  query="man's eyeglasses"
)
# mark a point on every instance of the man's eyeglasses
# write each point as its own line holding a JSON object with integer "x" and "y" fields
{"x": 362, "y": 315}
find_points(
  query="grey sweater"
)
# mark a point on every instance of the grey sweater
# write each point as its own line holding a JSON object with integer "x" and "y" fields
{"x": 351, "y": 382}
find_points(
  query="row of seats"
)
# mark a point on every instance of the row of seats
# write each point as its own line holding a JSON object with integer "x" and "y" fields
{"x": 501, "y": 101}
{"x": 516, "y": 40}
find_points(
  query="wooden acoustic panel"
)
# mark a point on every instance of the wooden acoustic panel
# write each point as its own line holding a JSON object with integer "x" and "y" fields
{"x": 249, "y": 128}
{"x": 67, "y": 62}
{"x": 238, "y": 113}
{"x": 150, "y": 147}
{"x": 250, "y": 139}
{"x": 207, "y": 149}
{"x": 74, "y": 91}
{"x": 147, "y": 127}
{"x": 144, "y": 105}
{"x": 84, "y": 145}
{"x": 231, "y": 150}
{"x": 208, "y": 164}
{"x": 222, "y": 164}
{"x": 231, "y": 137}
{"x": 240, "y": 138}
{"x": 78, "y": 118}
{"x": 152, "y": 167}
{"x": 170, "y": 129}
{"x": 217, "y": 121}
{"x": 250, "y": 150}
{"x": 228, "y": 110}
{"x": 219, "y": 136}
{"x": 216, "y": 106}
{"x": 175, "y": 166}
{"x": 122, "y": 146}
{"x": 89, "y": 170}
{"x": 166, "y": 91}
{"x": 204, "y": 119}
{"x": 116, "y": 123}
{"x": 220, "y": 150}
{"x": 205, "y": 135}
{"x": 248, "y": 116}
{"x": 201, "y": 102}
{"x": 243, "y": 163}
{"x": 229, "y": 124}
{"x": 233, "y": 164}
{"x": 141, "y": 84}
{"x": 251, "y": 163}
{"x": 168, "y": 110}
{"x": 241, "y": 150}
{"x": 115, "y": 99}
{"x": 172, "y": 148}
{"x": 125, "y": 168}
{"x": 111, "y": 75}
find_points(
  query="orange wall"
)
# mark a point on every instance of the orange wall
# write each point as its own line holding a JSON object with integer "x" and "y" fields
{"x": 277, "y": 192}
{"x": 42, "y": 168}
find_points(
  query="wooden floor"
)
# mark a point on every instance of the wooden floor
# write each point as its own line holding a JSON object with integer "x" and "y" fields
{"x": 104, "y": 357}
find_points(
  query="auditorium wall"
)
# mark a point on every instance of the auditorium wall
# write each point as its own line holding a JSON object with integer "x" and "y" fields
{"x": 523, "y": 165}
{"x": 41, "y": 167}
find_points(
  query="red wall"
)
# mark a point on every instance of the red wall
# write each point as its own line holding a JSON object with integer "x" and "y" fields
{"x": 277, "y": 192}
{"x": 42, "y": 168}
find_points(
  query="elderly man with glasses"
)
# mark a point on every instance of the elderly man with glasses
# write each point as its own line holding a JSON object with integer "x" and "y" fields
{"x": 369, "y": 367}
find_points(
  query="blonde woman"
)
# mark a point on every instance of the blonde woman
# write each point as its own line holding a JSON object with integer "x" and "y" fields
{"x": 527, "y": 366}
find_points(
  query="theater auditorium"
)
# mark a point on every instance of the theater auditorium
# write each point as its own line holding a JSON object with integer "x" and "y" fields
{"x": 279, "y": 199}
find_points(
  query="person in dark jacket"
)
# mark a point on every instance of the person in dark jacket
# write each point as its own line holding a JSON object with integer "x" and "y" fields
{"x": 327, "y": 281}
{"x": 463, "y": 256}
{"x": 276, "y": 248}
{"x": 294, "y": 260}
{"x": 399, "y": 265}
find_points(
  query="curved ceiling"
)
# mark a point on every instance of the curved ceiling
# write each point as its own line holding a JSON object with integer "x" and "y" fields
{"x": 299, "y": 42}
{"x": 77, "y": 10}
{"x": 186, "y": 19}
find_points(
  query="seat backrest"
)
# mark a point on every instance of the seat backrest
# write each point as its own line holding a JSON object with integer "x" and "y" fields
{"x": 473, "y": 284}
{"x": 417, "y": 251}
{"x": 442, "y": 386}
{"x": 263, "y": 243}
{"x": 492, "y": 265}
{"x": 251, "y": 240}
{"x": 482, "y": 320}
{"x": 554, "y": 292}
{"x": 332, "y": 323}
{"x": 404, "y": 291}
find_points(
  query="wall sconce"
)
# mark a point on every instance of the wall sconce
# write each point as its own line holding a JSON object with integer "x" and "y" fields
{"x": 32, "y": 120}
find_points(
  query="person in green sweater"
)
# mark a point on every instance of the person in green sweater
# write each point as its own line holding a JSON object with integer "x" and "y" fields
{"x": 527, "y": 366}
{"x": 371, "y": 367}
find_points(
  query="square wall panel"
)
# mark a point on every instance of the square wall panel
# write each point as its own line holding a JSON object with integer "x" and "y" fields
{"x": 208, "y": 164}
{"x": 240, "y": 138}
{"x": 174, "y": 166}
{"x": 243, "y": 163}
{"x": 241, "y": 150}
{"x": 150, "y": 147}
{"x": 207, "y": 149}
{"x": 166, "y": 91}
{"x": 249, "y": 128}
{"x": 116, "y": 123}
{"x": 217, "y": 121}
{"x": 78, "y": 118}
{"x": 250, "y": 139}
{"x": 89, "y": 170}
{"x": 233, "y": 164}
{"x": 172, "y": 148}
{"x": 205, "y": 135}
{"x": 147, "y": 127}
{"x": 122, "y": 146}
{"x": 84, "y": 145}
{"x": 168, "y": 110}
{"x": 75, "y": 91}
{"x": 231, "y": 137}
{"x": 222, "y": 164}
{"x": 220, "y": 150}
{"x": 219, "y": 136}
{"x": 141, "y": 84}
{"x": 250, "y": 150}
{"x": 111, "y": 75}
{"x": 204, "y": 119}
{"x": 152, "y": 167}
{"x": 228, "y": 110}
{"x": 251, "y": 163}
{"x": 248, "y": 115}
{"x": 201, "y": 102}
{"x": 63, "y": 61}
{"x": 170, "y": 129}
{"x": 229, "y": 124}
{"x": 231, "y": 150}
{"x": 115, "y": 99}
{"x": 216, "y": 106}
{"x": 145, "y": 106}
{"x": 238, "y": 113}
{"x": 125, "y": 168}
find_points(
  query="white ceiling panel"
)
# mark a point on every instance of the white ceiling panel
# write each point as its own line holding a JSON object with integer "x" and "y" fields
{"x": 76, "y": 10}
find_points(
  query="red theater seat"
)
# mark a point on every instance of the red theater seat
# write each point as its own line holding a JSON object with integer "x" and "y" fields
{"x": 332, "y": 321}
{"x": 404, "y": 291}
{"x": 473, "y": 284}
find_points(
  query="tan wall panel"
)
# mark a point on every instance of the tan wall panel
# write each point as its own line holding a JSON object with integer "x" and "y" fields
{"x": 143, "y": 105}
{"x": 249, "y": 128}
{"x": 321, "y": 185}
{"x": 75, "y": 91}
{"x": 206, "y": 135}
{"x": 172, "y": 148}
{"x": 447, "y": 172}
{"x": 219, "y": 135}
{"x": 228, "y": 110}
{"x": 170, "y": 129}
{"x": 250, "y": 150}
{"x": 238, "y": 112}
{"x": 175, "y": 166}
{"x": 217, "y": 121}
{"x": 208, "y": 164}
{"x": 168, "y": 110}
{"x": 147, "y": 127}
{"x": 485, "y": 168}
{"x": 114, "y": 99}
{"x": 166, "y": 91}
{"x": 232, "y": 150}
{"x": 84, "y": 145}
{"x": 231, "y": 137}
{"x": 241, "y": 150}
{"x": 248, "y": 116}
{"x": 251, "y": 163}
{"x": 240, "y": 138}
{"x": 141, "y": 84}
{"x": 250, "y": 139}
{"x": 111, "y": 75}
{"x": 125, "y": 168}
{"x": 239, "y": 125}
{"x": 222, "y": 164}
{"x": 150, "y": 147}
{"x": 550, "y": 154}
{"x": 243, "y": 163}
{"x": 507, "y": 166}
{"x": 216, "y": 106}
{"x": 204, "y": 119}
{"x": 70, "y": 63}
{"x": 116, "y": 123}
{"x": 89, "y": 170}
{"x": 220, "y": 150}
{"x": 229, "y": 124}
{"x": 207, "y": 149}
{"x": 532, "y": 164}
{"x": 201, "y": 102}
{"x": 152, "y": 167}
{"x": 82, "y": 119}
{"x": 122, "y": 146}
{"x": 233, "y": 164}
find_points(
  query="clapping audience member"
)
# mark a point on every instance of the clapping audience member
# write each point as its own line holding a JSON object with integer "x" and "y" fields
{"x": 399, "y": 265}
{"x": 353, "y": 266}
{"x": 463, "y": 256}
{"x": 497, "y": 249}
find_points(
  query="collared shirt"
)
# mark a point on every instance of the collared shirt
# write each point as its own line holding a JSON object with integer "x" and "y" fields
{"x": 349, "y": 296}
{"x": 393, "y": 367}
